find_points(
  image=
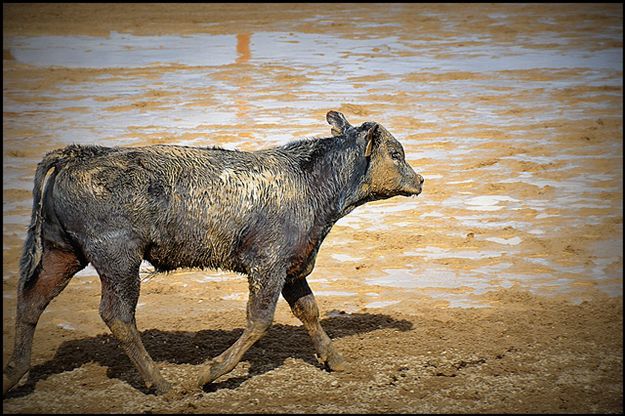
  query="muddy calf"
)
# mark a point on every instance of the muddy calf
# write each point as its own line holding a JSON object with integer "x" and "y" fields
{"x": 263, "y": 213}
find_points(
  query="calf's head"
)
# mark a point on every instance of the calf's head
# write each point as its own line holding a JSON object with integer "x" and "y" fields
{"x": 388, "y": 174}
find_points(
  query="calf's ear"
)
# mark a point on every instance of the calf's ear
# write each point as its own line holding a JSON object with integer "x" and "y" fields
{"x": 338, "y": 122}
{"x": 372, "y": 139}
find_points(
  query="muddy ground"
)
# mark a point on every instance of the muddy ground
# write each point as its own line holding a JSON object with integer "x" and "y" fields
{"x": 499, "y": 289}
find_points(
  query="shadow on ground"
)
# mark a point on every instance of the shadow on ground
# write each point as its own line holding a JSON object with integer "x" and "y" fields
{"x": 187, "y": 347}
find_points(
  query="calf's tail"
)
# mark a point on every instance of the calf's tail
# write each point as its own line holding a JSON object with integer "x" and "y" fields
{"x": 33, "y": 247}
{"x": 30, "y": 262}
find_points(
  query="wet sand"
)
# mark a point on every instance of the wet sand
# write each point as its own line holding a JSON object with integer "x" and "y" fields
{"x": 499, "y": 289}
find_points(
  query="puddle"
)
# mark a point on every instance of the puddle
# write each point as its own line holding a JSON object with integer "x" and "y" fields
{"x": 490, "y": 269}
{"x": 556, "y": 267}
{"x": 88, "y": 271}
{"x": 436, "y": 283}
{"x": 506, "y": 241}
{"x": 213, "y": 279}
{"x": 242, "y": 296}
{"x": 381, "y": 304}
{"x": 145, "y": 270}
{"x": 334, "y": 293}
{"x": 66, "y": 326}
{"x": 509, "y": 134}
{"x": 433, "y": 277}
{"x": 488, "y": 202}
{"x": 457, "y": 300}
{"x": 15, "y": 219}
{"x": 432, "y": 253}
{"x": 345, "y": 257}
{"x": 483, "y": 203}
{"x": 120, "y": 50}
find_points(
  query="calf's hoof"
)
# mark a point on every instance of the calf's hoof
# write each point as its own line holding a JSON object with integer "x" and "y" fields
{"x": 10, "y": 380}
{"x": 162, "y": 387}
{"x": 158, "y": 384}
{"x": 208, "y": 374}
{"x": 334, "y": 361}
{"x": 7, "y": 383}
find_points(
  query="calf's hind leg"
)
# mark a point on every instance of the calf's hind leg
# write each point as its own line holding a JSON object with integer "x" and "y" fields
{"x": 33, "y": 295}
{"x": 120, "y": 293}
{"x": 303, "y": 305}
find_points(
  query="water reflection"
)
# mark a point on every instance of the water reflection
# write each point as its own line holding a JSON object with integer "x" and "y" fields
{"x": 122, "y": 50}
{"x": 231, "y": 90}
{"x": 244, "y": 80}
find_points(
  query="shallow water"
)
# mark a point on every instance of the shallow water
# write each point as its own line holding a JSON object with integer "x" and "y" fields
{"x": 519, "y": 142}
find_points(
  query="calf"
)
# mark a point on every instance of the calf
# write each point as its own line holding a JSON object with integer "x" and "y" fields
{"x": 263, "y": 213}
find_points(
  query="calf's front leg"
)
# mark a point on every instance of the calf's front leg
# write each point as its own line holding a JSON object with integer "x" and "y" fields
{"x": 304, "y": 306}
{"x": 264, "y": 293}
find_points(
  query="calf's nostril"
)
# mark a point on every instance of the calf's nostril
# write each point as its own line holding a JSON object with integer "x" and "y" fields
{"x": 420, "y": 179}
